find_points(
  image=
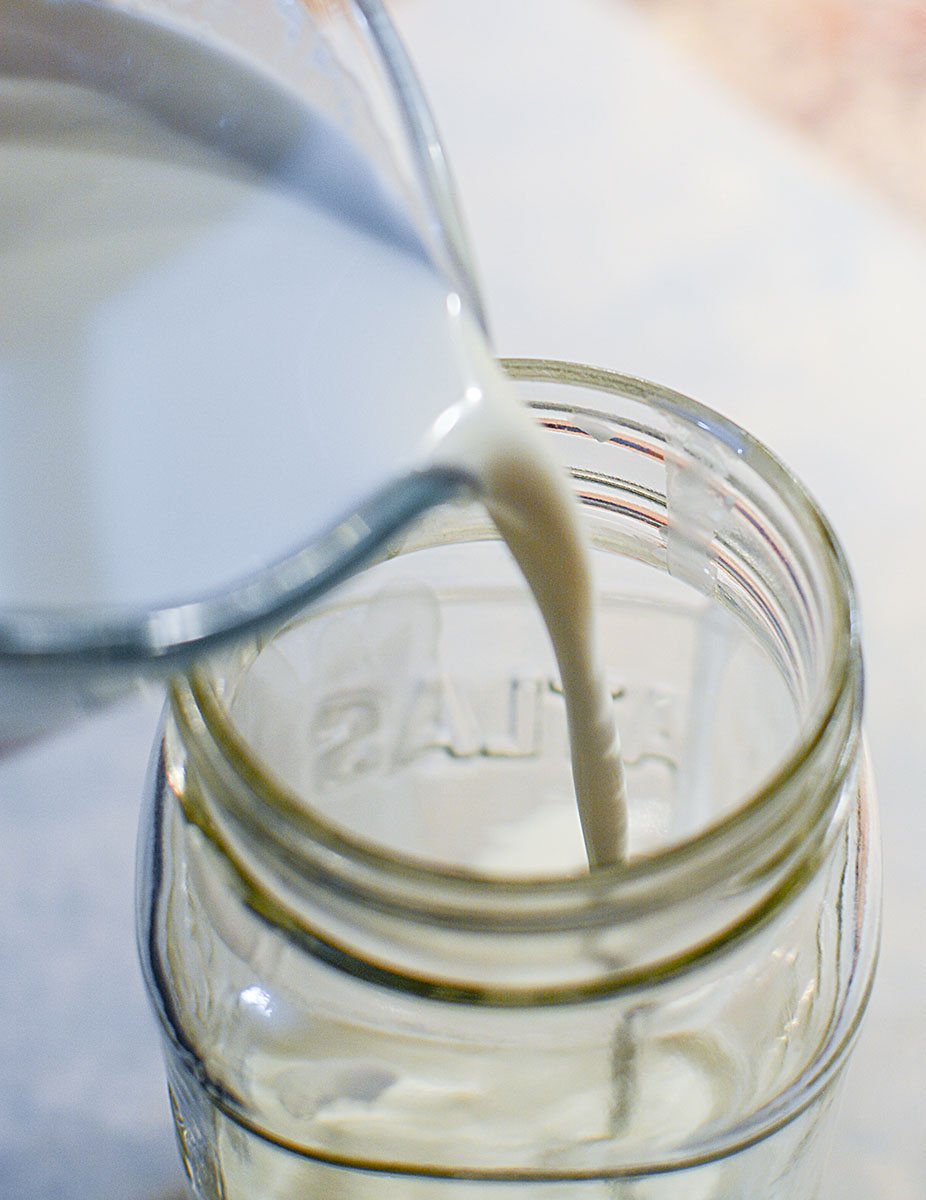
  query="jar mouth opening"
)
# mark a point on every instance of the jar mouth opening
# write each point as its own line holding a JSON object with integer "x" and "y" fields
{"x": 726, "y": 839}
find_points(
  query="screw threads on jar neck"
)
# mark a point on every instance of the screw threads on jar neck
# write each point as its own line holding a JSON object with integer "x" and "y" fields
{"x": 671, "y": 485}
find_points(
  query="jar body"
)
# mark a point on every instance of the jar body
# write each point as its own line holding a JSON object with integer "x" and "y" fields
{"x": 341, "y": 1025}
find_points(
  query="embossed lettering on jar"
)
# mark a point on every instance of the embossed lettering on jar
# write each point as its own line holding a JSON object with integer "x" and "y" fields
{"x": 381, "y": 966}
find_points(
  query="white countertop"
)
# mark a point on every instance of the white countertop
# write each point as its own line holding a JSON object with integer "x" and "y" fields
{"x": 630, "y": 213}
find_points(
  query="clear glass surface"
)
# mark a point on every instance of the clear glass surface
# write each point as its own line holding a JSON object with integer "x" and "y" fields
{"x": 379, "y": 965}
{"x": 344, "y": 60}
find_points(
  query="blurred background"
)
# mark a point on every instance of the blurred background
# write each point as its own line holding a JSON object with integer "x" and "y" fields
{"x": 726, "y": 196}
{"x": 848, "y": 74}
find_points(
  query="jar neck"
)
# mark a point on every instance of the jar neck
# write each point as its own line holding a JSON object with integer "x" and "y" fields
{"x": 456, "y": 935}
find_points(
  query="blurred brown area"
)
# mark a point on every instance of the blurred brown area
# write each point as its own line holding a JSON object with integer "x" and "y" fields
{"x": 851, "y": 74}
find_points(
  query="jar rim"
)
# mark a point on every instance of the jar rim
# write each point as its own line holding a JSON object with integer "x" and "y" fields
{"x": 727, "y": 841}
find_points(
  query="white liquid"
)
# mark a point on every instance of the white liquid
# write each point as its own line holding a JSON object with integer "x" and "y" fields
{"x": 218, "y": 335}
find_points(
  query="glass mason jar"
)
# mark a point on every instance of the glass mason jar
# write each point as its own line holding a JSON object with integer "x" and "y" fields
{"x": 380, "y": 967}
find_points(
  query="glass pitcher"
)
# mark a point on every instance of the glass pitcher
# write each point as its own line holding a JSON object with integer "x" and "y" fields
{"x": 195, "y": 69}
